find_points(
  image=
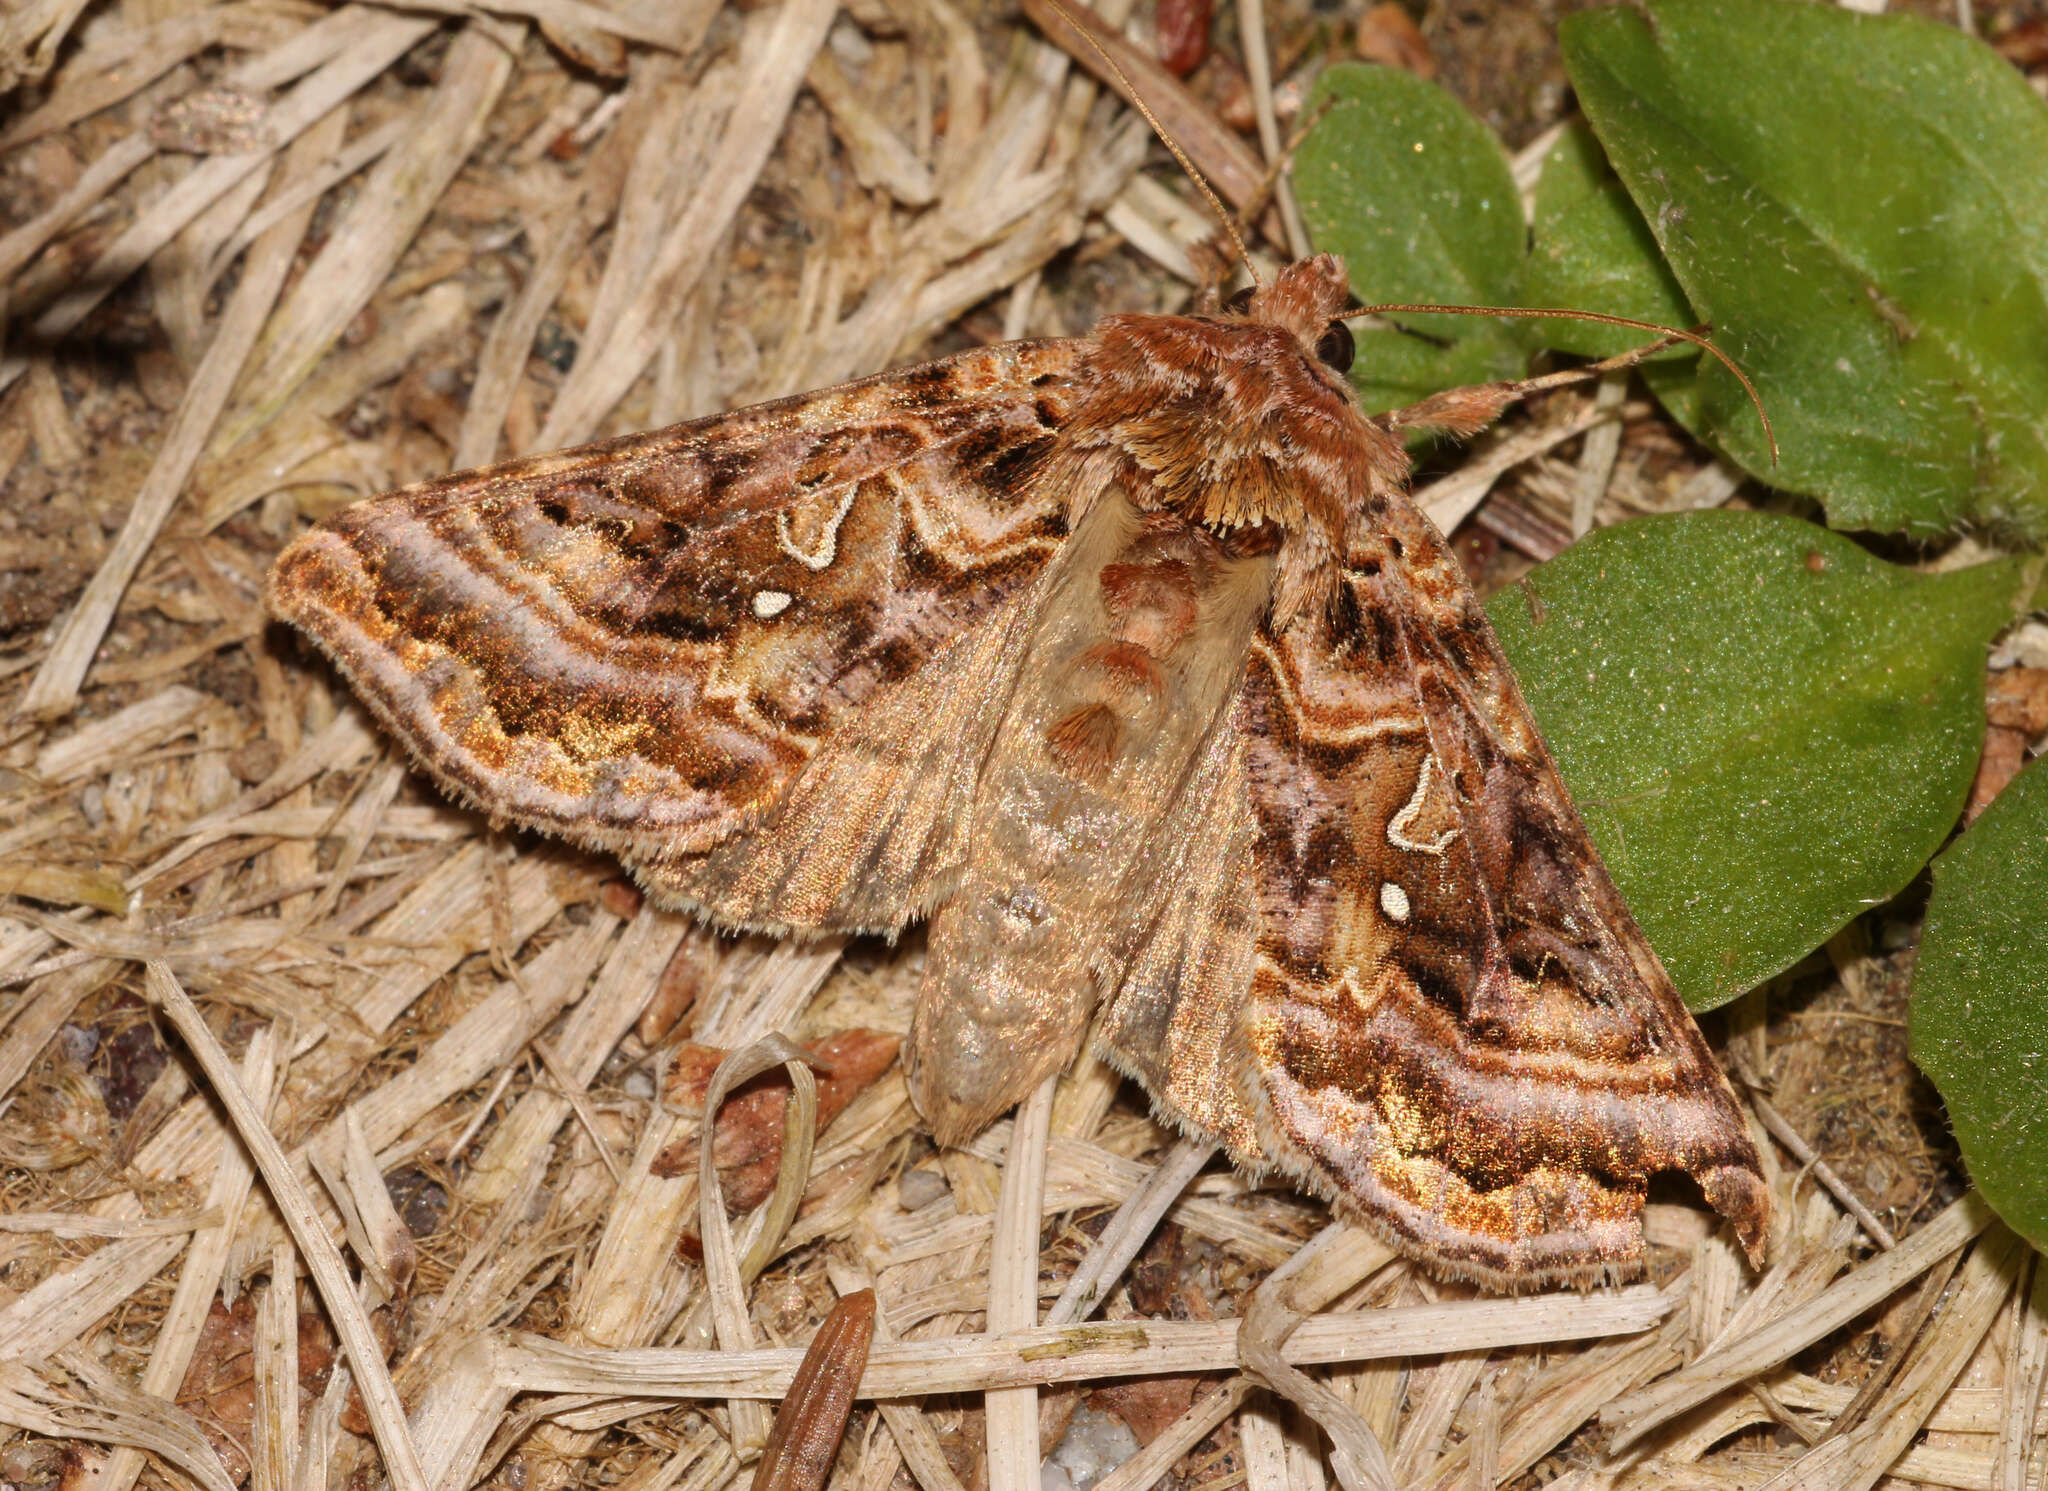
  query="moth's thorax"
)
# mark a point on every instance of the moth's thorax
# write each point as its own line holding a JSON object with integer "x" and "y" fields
{"x": 1233, "y": 422}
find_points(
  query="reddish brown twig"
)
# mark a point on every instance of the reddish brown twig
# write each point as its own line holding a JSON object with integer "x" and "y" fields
{"x": 812, "y": 1418}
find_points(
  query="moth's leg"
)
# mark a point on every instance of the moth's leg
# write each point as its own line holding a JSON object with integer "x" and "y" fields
{"x": 1468, "y": 410}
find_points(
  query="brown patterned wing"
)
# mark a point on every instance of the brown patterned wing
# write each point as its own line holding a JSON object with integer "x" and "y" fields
{"x": 1456, "y": 1025}
{"x": 872, "y": 831}
{"x": 638, "y": 645}
{"x": 1177, "y": 971}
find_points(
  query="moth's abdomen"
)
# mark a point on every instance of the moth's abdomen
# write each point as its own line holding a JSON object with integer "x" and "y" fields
{"x": 1148, "y": 605}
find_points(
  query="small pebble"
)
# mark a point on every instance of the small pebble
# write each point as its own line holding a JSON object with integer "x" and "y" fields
{"x": 78, "y": 1043}
{"x": 917, "y": 1189}
{"x": 1096, "y": 1443}
{"x": 848, "y": 45}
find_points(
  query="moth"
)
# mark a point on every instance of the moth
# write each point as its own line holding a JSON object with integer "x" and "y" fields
{"x": 1125, "y": 662}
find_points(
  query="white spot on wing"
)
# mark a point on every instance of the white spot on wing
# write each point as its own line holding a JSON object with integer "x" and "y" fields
{"x": 1401, "y": 822}
{"x": 827, "y": 548}
{"x": 769, "y": 604}
{"x": 1393, "y": 901}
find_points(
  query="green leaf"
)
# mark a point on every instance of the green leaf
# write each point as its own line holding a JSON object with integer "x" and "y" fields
{"x": 1980, "y": 1000}
{"x": 1766, "y": 729}
{"x": 1416, "y": 195}
{"x": 1394, "y": 369}
{"x": 1859, "y": 204}
{"x": 1593, "y": 252}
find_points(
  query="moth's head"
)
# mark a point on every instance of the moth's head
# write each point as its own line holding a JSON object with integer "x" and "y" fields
{"x": 1244, "y": 420}
{"x": 1307, "y": 298}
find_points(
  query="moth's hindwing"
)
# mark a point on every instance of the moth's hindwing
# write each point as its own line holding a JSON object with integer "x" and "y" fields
{"x": 638, "y": 645}
{"x": 1133, "y": 662}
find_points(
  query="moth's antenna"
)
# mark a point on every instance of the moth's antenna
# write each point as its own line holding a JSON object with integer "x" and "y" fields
{"x": 1669, "y": 335}
{"x": 1080, "y": 29}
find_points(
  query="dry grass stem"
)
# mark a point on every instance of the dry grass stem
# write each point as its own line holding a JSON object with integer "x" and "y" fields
{"x": 1230, "y": 165}
{"x": 1046, "y": 1355}
{"x": 781, "y": 45}
{"x": 1127, "y": 1232}
{"x": 330, "y": 1273}
{"x": 2026, "y": 1375}
{"x": 274, "y": 1430}
{"x": 729, "y": 1269}
{"x": 1636, "y": 1414}
{"x": 56, "y": 685}
{"x": 105, "y": 1412}
{"x": 61, "y": 1308}
{"x": 380, "y": 44}
{"x": 1932, "y": 1287}
{"x": 1012, "y": 1412}
{"x": 205, "y": 1263}
{"x": 1451, "y": 499}
{"x": 1598, "y": 454}
{"x": 1857, "y": 1460}
{"x": 1259, "y": 66}
{"x": 1358, "y": 1458}
{"x": 1782, "y": 1130}
{"x": 1144, "y": 1469}
{"x": 74, "y": 1224}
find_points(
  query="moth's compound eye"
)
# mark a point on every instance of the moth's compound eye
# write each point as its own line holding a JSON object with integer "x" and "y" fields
{"x": 1241, "y": 302}
{"x": 1335, "y": 349}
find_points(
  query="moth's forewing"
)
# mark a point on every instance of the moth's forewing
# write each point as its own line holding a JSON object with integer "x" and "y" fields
{"x": 873, "y": 830}
{"x": 1438, "y": 1012}
{"x": 639, "y": 645}
{"x": 1457, "y": 1024}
